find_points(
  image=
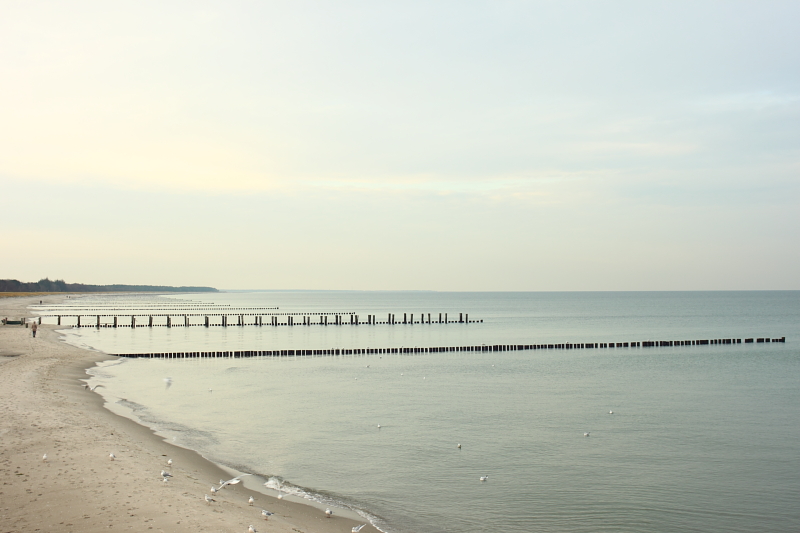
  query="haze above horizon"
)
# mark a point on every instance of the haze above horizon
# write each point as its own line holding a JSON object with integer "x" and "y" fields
{"x": 462, "y": 146}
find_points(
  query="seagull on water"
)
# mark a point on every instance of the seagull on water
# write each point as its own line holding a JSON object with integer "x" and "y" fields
{"x": 266, "y": 514}
{"x": 484, "y": 478}
{"x": 209, "y": 499}
{"x": 586, "y": 434}
{"x": 250, "y": 501}
{"x": 379, "y": 426}
{"x": 611, "y": 412}
{"x": 112, "y": 456}
{"x": 459, "y": 446}
{"x": 356, "y": 529}
{"x": 328, "y": 513}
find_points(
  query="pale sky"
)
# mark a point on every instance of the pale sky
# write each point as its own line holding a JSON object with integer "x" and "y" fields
{"x": 409, "y": 145}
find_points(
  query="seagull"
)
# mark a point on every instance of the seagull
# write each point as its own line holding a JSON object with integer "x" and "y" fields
{"x": 234, "y": 481}
{"x": 251, "y": 529}
{"x": 328, "y": 513}
{"x": 250, "y": 501}
{"x": 459, "y": 446}
{"x": 169, "y": 462}
{"x": 168, "y": 382}
{"x": 112, "y": 456}
{"x": 379, "y": 426}
{"x": 165, "y": 474}
{"x": 611, "y": 412}
{"x": 213, "y": 490}
{"x": 586, "y": 434}
{"x": 356, "y": 529}
{"x": 210, "y": 390}
{"x": 95, "y": 387}
{"x": 165, "y": 480}
{"x": 44, "y": 458}
{"x": 280, "y": 496}
{"x": 484, "y": 478}
{"x": 266, "y": 514}
{"x": 209, "y": 499}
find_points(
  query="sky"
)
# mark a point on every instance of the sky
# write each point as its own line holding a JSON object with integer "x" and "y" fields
{"x": 437, "y": 145}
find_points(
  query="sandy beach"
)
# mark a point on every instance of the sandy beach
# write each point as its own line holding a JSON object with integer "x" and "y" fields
{"x": 46, "y": 410}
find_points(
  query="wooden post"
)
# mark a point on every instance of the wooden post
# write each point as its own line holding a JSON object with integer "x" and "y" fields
{"x": 429, "y": 318}
{"x": 440, "y": 318}
{"x": 460, "y": 318}
{"x": 115, "y": 321}
{"x": 133, "y": 321}
{"x": 186, "y": 321}
{"x": 405, "y": 318}
{"x": 98, "y": 321}
{"x": 59, "y": 320}
{"x": 150, "y": 323}
{"x": 206, "y": 321}
{"x": 79, "y": 320}
{"x": 466, "y": 318}
{"x": 445, "y": 318}
{"x": 169, "y": 321}
{"x": 412, "y": 318}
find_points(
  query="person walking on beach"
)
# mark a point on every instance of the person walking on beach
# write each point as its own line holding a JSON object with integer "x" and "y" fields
{"x": 34, "y": 327}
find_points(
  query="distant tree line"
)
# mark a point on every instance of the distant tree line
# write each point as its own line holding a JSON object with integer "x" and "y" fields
{"x": 59, "y": 285}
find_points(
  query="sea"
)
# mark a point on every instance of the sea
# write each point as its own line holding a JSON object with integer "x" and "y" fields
{"x": 661, "y": 439}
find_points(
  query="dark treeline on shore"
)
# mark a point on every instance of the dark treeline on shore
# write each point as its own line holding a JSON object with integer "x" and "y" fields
{"x": 59, "y": 285}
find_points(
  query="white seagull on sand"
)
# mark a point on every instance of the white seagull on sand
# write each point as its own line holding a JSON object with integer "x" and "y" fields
{"x": 165, "y": 474}
{"x": 250, "y": 501}
{"x": 112, "y": 456}
{"x": 251, "y": 529}
{"x": 266, "y": 514}
{"x": 168, "y": 382}
{"x": 328, "y": 513}
{"x": 44, "y": 458}
{"x": 209, "y": 499}
{"x": 169, "y": 462}
{"x": 234, "y": 481}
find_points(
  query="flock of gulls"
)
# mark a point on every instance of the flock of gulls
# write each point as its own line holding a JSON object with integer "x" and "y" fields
{"x": 165, "y": 476}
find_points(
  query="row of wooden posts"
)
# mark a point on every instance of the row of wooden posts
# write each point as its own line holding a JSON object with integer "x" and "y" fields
{"x": 441, "y": 349}
{"x": 276, "y": 320}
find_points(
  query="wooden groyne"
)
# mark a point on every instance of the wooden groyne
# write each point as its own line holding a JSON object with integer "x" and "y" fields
{"x": 116, "y": 320}
{"x": 442, "y": 349}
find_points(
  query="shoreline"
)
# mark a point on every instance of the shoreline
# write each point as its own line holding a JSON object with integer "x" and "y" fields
{"x": 79, "y": 488}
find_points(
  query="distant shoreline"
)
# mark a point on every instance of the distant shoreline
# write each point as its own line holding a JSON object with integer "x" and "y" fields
{"x": 59, "y": 286}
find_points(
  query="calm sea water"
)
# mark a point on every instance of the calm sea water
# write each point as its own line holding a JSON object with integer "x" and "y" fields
{"x": 703, "y": 438}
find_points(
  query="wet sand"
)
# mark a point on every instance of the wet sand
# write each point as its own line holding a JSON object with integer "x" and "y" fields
{"x": 45, "y": 409}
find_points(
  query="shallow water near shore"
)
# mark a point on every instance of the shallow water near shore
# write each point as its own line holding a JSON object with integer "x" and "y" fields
{"x": 701, "y": 437}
